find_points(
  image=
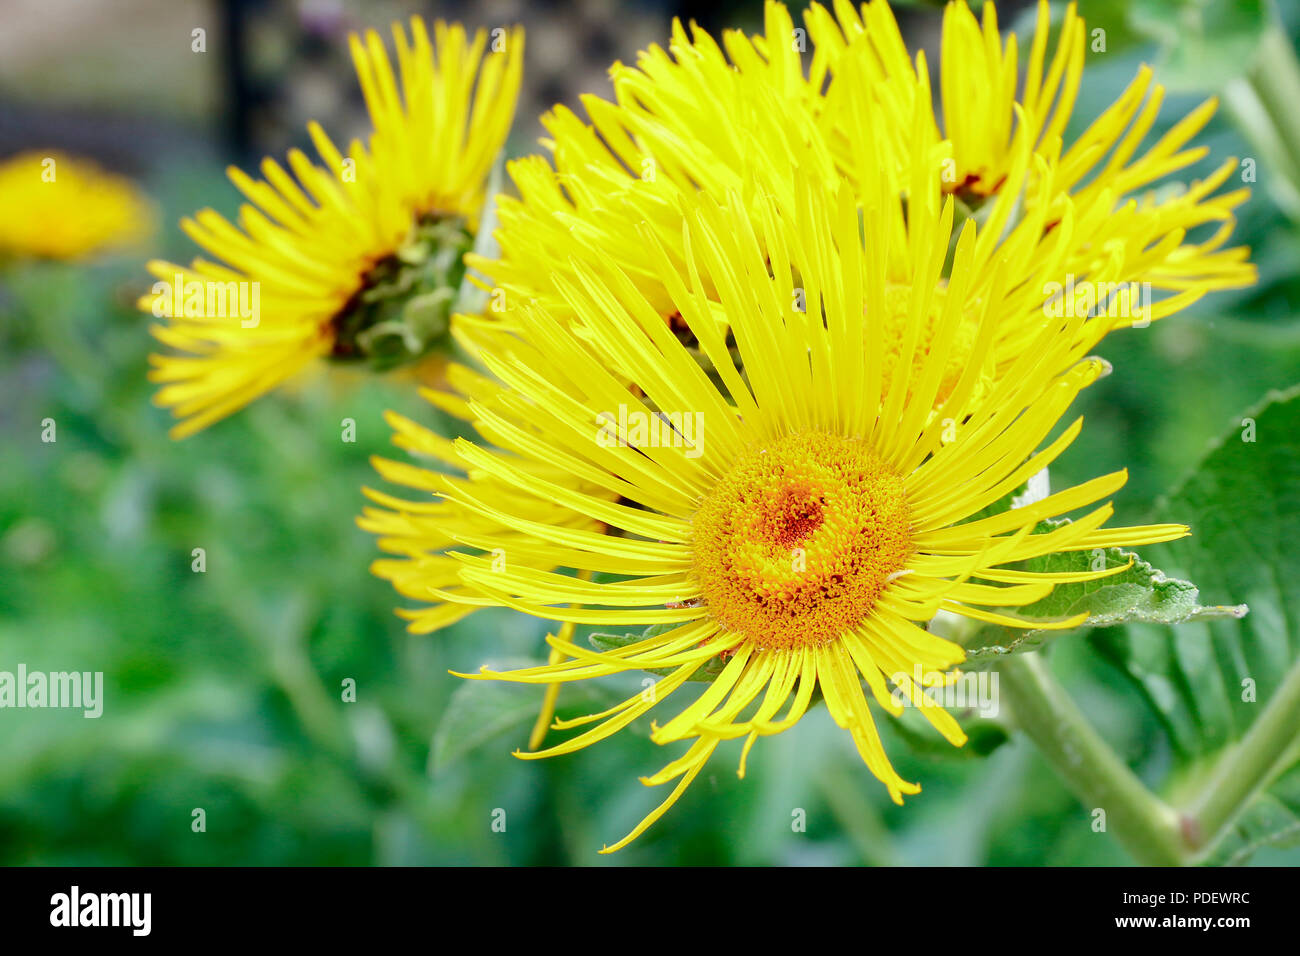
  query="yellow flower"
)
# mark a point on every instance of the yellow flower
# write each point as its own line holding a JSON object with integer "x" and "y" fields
{"x": 64, "y": 207}
{"x": 770, "y": 502}
{"x": 974, "y": 149}
{"x": 697, "y": 117}
{"x": 704, "y": 118}
{"x": 741, "y": 116}
{"x": 358, "y": 257}
{"x": 421, "y": 533}
{"x": 589, "y": 207}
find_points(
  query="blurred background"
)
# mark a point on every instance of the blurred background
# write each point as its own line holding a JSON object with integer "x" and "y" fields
{"x": 224, "y": 689}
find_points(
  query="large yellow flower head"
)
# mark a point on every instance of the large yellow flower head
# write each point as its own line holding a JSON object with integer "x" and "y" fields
{"x": 58, "y": 206}
{"x": 767, "y": 498}
{"x": 357, "y": 256}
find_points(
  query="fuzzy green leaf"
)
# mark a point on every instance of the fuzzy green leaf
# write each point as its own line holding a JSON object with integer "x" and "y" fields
{"x": 1140, "y": 594}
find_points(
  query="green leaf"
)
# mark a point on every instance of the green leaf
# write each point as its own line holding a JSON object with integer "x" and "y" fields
{"x": 1208, "y": 681}
{"x": 480, "y": 710}
{"x": 1273, "y": 820}
{"x": 1141, "y": 594}
{"x": 708, "y": 671}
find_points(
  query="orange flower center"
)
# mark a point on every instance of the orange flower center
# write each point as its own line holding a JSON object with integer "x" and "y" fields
{"x": 795, "y": 545}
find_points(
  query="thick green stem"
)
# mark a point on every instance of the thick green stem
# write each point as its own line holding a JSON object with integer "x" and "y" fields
{"x": 1249, "y": 766}
{"x": 1146, "y": 826}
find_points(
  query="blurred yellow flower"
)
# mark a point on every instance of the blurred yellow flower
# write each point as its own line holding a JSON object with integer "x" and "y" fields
{"x": 58, "y": 206}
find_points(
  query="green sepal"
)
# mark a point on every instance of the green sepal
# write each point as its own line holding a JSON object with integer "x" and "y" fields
{"x": 403, "y": 311}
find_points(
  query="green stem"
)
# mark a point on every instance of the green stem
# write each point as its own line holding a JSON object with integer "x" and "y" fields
{"x": 1263, "y": 102}
{"x": 1146, "y": 826}
{"x": 1275, "y": 77}
{"x": 849, "y": 805}
{"x": 1248, "y": 767}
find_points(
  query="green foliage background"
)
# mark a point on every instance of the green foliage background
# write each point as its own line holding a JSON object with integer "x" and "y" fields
{"x": 223, "y": 689}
